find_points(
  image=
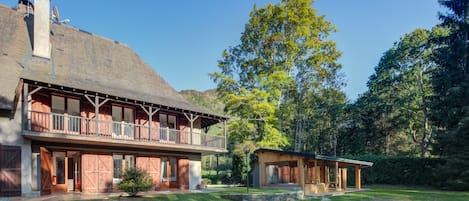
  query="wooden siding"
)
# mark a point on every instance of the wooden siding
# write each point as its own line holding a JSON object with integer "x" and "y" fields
{"x": 10, "y": 171}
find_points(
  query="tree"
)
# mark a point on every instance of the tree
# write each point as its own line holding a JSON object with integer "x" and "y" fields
{"x": 284, "y": 57}
{"x": 450, "y": 105}
{"x": 396, "y": 107}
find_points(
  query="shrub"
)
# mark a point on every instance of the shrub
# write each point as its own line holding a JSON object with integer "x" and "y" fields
{"x": 135, "y": 180}
{"x": 399, "y": 170}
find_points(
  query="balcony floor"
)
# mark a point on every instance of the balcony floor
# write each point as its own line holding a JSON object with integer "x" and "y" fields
{"x": 95, "y": 140}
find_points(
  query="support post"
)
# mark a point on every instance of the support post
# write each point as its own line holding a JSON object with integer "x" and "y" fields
{"x": 96, "y": 113}
{"x": 191, "y": 119}
{"x": 24, "y": 108}
{"x": 337, "y": 175}
{"x": 224, "y": 131}
{"x": 344, "y": 178}
{"x": 316, "y": 172}
{"x": 301, "y": 173}
{"x": 96, "y": 105}
{"x": 150, "y": 112}
{"x": 357, "y": 177}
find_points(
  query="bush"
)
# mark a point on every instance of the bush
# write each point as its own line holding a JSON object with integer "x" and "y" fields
{"x": 135, "y": 180}
{"x": 399, "y": 170}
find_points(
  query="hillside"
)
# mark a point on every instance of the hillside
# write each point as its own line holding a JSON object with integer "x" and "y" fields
{"x": 207, "y": 99}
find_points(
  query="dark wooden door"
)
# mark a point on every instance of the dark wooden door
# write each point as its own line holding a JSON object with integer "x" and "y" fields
{"x": 46, "y": 169}
{"x": 183, "y": 174}
{"x": 10, "y": 171}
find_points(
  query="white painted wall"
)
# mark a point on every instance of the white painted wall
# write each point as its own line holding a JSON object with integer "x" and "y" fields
{"x": 10, "y": 134}
{"x": 195, "y": 171}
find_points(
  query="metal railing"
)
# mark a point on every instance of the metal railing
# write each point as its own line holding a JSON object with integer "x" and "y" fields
{"x": 75, "y": 125}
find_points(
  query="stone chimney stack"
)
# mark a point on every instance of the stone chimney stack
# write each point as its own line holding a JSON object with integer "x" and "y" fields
{"x": 42, "y": 46}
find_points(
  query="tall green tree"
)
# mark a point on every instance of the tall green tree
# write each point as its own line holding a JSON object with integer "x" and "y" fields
{"x": 398, "y": 99}
{"x": 283, "y": 57}
{"x": 450, "y": 105}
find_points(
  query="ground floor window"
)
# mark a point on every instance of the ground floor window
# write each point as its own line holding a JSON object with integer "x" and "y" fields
{"x": 168, "y": 169}
{"x": 117, "y": 170}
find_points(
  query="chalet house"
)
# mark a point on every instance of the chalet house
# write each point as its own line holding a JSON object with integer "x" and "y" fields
{"x": 76, "y": 109}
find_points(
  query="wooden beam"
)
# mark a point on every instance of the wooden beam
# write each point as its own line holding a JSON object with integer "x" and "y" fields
{"x": 357, "y": 177}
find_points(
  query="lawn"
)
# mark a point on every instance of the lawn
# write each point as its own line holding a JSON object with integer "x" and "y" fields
{"x": 390, "y": 193}
{"x": 381, "y": 193}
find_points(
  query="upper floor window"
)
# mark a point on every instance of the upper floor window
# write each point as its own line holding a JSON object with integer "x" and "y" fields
{"x": 168, "y": 121}
{"x": 122, "y": 122}
{"x": 65, "y": 113}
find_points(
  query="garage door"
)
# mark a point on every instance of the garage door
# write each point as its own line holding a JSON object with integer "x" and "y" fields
{"x": 10, "y": 171}
{"x": 97, "y": 173}
{"x": 152, "y": 166}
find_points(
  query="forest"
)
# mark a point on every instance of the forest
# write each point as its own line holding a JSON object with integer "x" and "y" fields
{"x": 282, "y": 86}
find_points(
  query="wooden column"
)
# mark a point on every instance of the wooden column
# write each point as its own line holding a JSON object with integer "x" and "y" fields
{"x": 337, "y": 175}
{"x": 262, "y": 174}
{"x": 344, "y": 178}
{"x": 316, "y": 172}
{"x": 301, "y": 173}
{"x": 96, "y": 105}
{"x": 357, "y": 177}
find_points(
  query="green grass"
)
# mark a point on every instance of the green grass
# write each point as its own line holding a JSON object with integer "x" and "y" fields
{"x": 391, "y": 193}
{"x": 379, "y": 193}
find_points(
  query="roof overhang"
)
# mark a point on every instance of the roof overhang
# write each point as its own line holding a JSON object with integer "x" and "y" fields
{"x": 319, "y": 157}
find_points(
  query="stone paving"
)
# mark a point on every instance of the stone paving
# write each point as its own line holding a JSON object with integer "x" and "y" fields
{"x": 94, "y": 196}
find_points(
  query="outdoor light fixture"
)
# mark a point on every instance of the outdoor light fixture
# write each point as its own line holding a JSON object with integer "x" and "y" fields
{"x": 246, "y": 151}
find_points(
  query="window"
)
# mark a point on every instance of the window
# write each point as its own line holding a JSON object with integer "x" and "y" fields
{"x": 129, "y": 161}
{"x": 60, "y": 121}
{"x": 168, "y": 130}
{"x": 73, "y": 111}
{"x": 168, "y": 169}
{"x": 117, "y": 166}
{"x": 58, "y": 110}
{"x": 122, "y": 122}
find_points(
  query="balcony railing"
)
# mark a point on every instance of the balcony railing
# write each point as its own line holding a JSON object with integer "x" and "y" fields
{"x": 82, "y": 126}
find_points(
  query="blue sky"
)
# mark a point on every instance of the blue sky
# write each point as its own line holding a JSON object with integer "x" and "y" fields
{"x": 183, "y": 39}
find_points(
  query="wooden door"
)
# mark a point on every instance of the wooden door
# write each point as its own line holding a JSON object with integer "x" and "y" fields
{"x": 89, "y": 163}
{"x": 183, "y": 174}
{"x": 105, "y": 173}
{"x": 152, "y": 166}
{"x": 97, "y": 173}
{"x": 10, "y": 171}
{"x": 46, "y": 171}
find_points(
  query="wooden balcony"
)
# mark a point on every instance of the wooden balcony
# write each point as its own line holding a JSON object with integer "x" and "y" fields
{"x": 40, "y": 124}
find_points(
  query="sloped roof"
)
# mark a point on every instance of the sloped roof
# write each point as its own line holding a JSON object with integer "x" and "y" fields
{"x": 83, "y": 60}
{"x": 14, "y": 50}
{"x": 317, "y": 156}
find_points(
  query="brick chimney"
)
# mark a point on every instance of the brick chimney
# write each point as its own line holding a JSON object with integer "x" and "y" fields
{"x": 41, "y": 46}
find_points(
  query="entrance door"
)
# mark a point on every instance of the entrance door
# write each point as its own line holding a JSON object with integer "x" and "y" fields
{"x": 168, "y": 172}
{"x": 46, "y": 171}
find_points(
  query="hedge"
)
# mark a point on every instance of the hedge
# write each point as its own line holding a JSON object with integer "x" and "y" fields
{"x": 399, "y": 170}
